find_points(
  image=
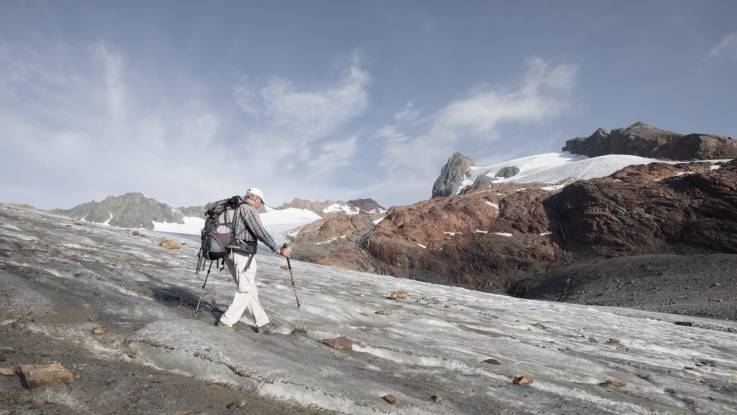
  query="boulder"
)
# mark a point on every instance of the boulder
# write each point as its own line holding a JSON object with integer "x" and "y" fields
{"x": 390, "y": 399}
{"x": 237, "y": 404}
{"x": 171, "y": 244}
{"x": 339, "y": 343}
{"x": 398, "y": 295}
{"x": 99, "y": 330}
{"x": 617, "y": 383}
{"x": 451, "y": 175}
{"x": 507, "y": 172}
{"x": 34, "y": 376}
{"x": 522, "y": 380}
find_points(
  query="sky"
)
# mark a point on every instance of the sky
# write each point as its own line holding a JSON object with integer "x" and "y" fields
{"x": 190, "y": 101}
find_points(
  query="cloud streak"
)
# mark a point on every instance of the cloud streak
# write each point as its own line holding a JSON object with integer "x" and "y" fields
{"x": 727, "y": 47}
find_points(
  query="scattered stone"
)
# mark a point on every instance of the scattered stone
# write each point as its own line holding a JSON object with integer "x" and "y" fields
{"x": 237, "y": 404}
{"x": 219, "y": 385}
{"x": 243, "y": 372}
{"x": 339, "y": 343}
{"x": 522, "y": 380}
{"x": 87, "y": 307}
{"x": 135, "y": 233}
{"x": 397, "y": 295}
{"x": 99, "y": 330}
{"x": 614, "y": 342}
{"x": 686, "y": 323}
{"x": 617, "y": 383}
{"x": 33, "y": 376}
{"x": 492, "y": 362}
{"x": 436, "y": 398}
{"x": 183, "y": 413}
{"x": 693, "y": 369}
{"x": 171, "y": 244}
{"x": 381, "y": 311}
{"x": 592, "y": 340}
{"x": 645, "y": 376}
{"x": 706, "y": 362}
{"x": 390, "y": 398}
{"x": 77, "y": 222}
{"x": 5, "y": 371}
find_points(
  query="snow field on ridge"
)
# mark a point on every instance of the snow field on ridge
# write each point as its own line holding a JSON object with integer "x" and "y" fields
{"x": 554, "y": 168}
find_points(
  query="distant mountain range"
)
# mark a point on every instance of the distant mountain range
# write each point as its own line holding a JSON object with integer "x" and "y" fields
{"x": 130, "y": 210}
{"x": 134, "y": 210}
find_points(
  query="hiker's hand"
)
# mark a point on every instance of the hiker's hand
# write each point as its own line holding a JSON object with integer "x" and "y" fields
{"x": 284, "y": 250}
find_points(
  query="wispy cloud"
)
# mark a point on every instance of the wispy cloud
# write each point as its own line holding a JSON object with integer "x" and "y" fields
{"x": 727, "y": 47}
{"x": 313, "y": 112}
{"x": 542, "y": 95}
{"x": 90, "y": 123}
{"x": 297, "y": 130}
{"x": 408, "y": 114}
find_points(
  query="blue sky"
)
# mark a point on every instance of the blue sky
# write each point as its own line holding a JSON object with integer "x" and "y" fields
{"x": 191, "y": 101}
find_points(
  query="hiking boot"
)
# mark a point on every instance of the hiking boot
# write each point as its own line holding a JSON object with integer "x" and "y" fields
{"x": 266, "y": 328}
{"x": 219, "y": 323}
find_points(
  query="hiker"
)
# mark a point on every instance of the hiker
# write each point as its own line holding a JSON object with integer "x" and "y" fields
{"x": 242, "y": 265}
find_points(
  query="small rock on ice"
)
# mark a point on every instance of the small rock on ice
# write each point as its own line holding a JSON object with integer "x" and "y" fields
{"x": 522, "y": 380}
{"x": 37, "y": 375}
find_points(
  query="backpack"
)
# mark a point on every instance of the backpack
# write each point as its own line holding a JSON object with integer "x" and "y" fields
{"x": 218, "y": 235}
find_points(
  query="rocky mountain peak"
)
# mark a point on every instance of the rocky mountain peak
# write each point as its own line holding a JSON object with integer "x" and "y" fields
{"x": 130, "y": 210}
{"x": 451, "y": 175}
{"x": 640, "y": 139}
{"x": 324, "y": 207}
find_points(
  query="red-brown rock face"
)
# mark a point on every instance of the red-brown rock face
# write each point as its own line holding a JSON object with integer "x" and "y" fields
{"x": 492, "y": 236}
{"x": 681, "y": 213}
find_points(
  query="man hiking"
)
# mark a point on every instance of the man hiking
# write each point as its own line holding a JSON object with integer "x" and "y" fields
{"x": 242, "y": 265}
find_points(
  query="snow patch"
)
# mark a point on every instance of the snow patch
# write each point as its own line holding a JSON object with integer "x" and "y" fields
{"x": 339, "y": 207}
{"x": 480, "y": 231}
{"x": 192, "y": 226}
{"x": 508, "y": 235}
{"x": 494, "y": 205}
{"x": 554, "y": 188}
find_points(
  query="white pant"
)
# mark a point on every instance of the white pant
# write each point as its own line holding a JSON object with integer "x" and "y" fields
{"x": 243, "y": 270}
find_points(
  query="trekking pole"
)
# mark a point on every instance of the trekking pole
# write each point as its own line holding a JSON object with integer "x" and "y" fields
{"x": 294, "y": 287}
{"x": 194, "y": 314}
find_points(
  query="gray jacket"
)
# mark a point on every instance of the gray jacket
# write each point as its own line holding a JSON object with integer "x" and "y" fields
{"x": 250, "y": 229}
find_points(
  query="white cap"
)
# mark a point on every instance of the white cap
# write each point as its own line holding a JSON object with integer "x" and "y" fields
{"x": 256, "y": 192}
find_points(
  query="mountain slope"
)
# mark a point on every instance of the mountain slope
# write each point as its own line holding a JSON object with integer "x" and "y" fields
{"x": 434, "y": 342}
{"x": 496, "y": 236}
{"x": 437, "y": 341}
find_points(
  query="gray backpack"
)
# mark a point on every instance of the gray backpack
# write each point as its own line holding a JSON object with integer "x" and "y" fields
{"x": 218, "y": 235}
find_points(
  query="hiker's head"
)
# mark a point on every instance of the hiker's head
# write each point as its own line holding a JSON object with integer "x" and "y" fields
{"x": 255, "y": 197}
